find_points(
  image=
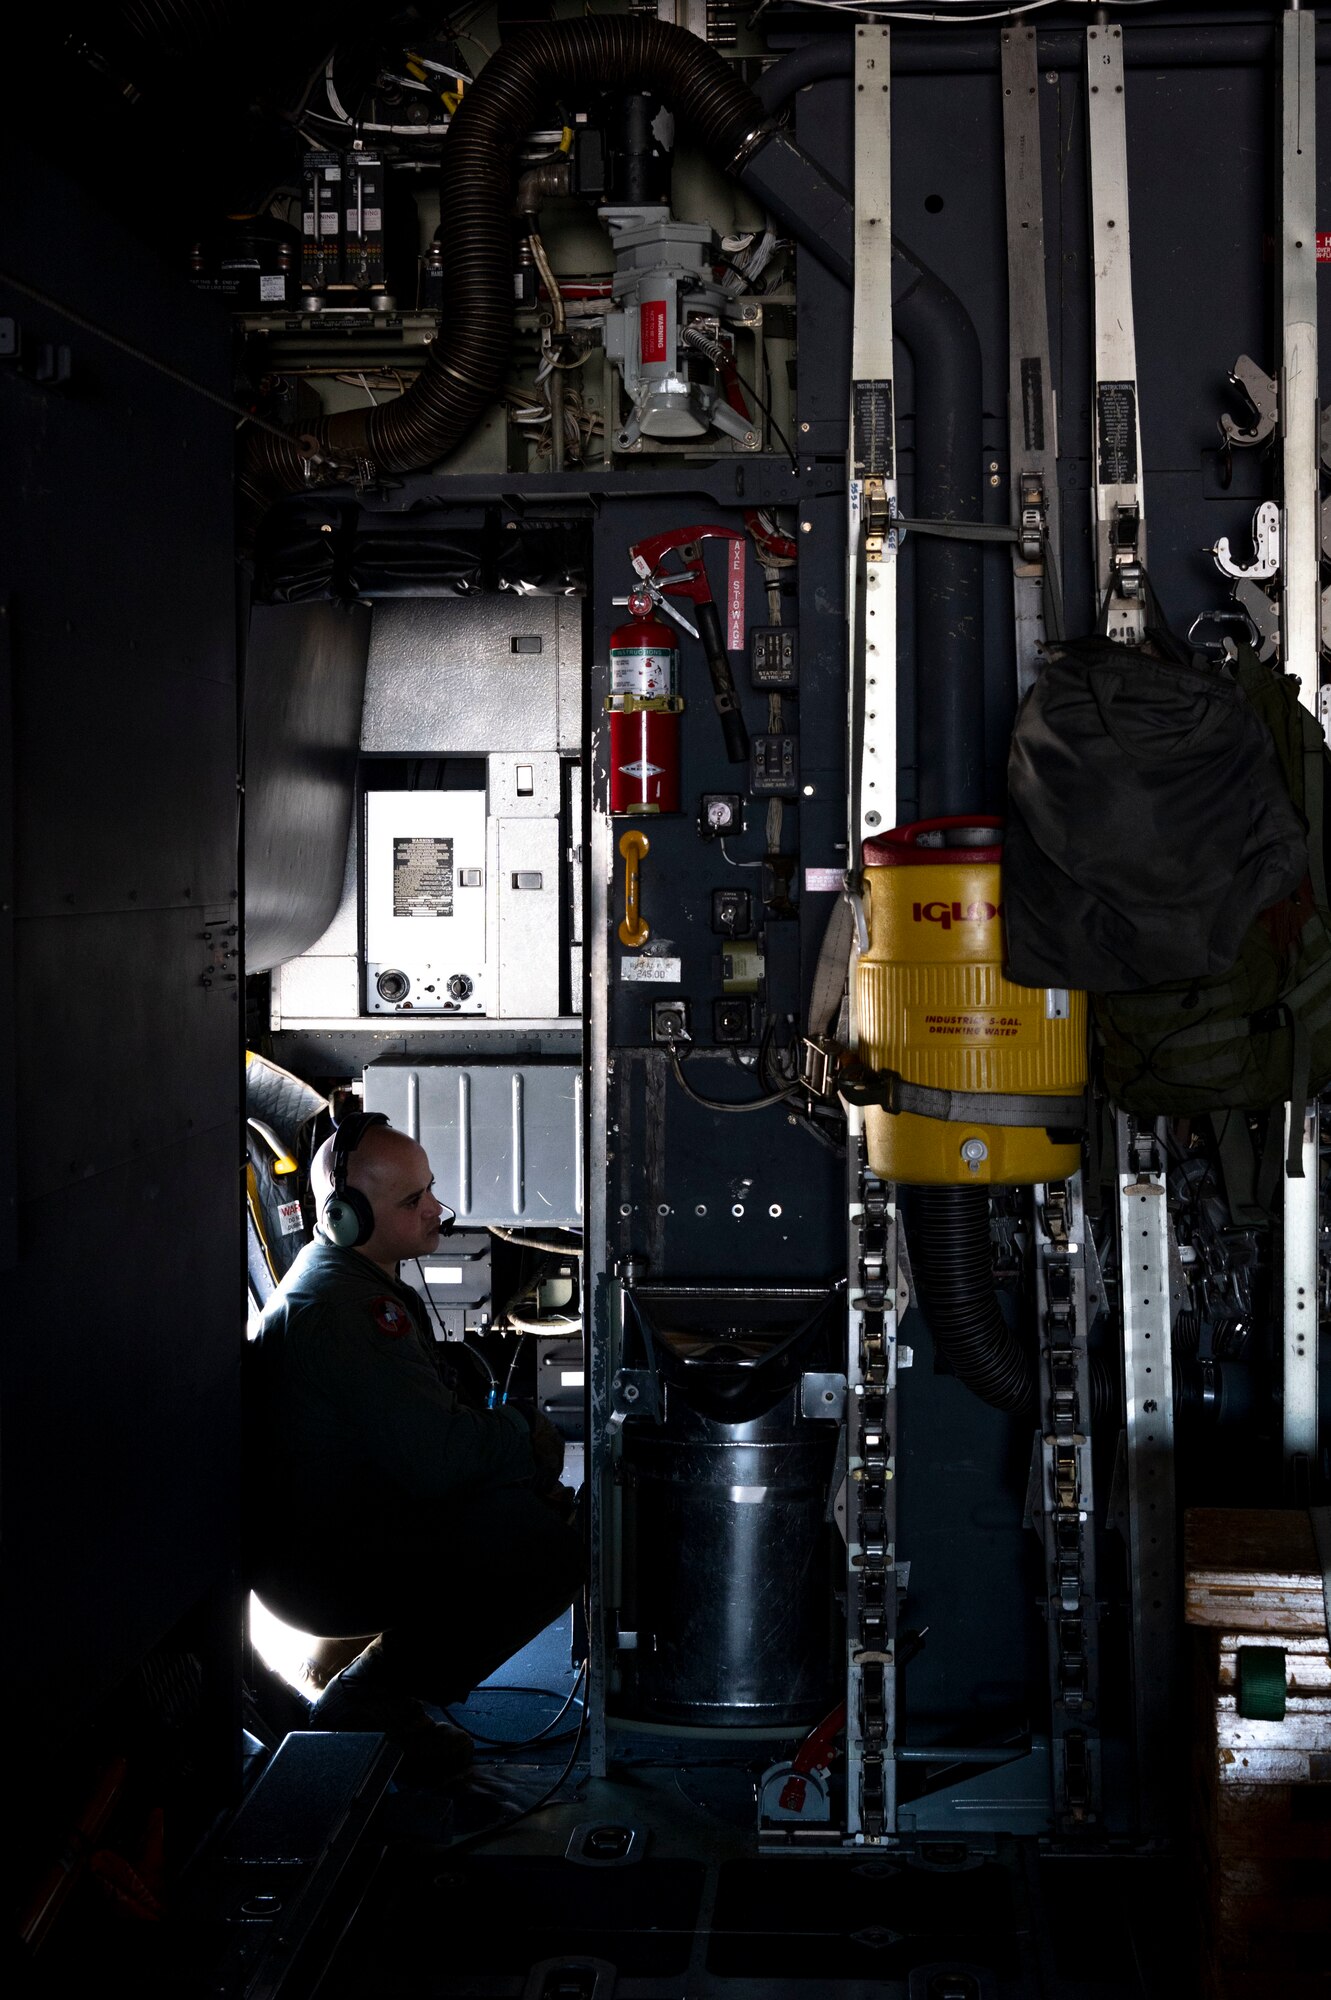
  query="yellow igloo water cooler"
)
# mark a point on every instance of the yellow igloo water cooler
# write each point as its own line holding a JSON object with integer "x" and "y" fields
{"x": 935, "y": 1008}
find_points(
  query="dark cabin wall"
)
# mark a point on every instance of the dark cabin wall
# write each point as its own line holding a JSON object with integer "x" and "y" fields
{"x": 120, "y": 1361}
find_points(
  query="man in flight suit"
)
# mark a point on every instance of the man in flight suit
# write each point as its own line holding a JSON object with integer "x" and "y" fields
{"x": 388, "y": 1499}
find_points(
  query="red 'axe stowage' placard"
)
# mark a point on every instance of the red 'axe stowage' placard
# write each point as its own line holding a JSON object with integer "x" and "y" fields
{"x": 735, "y": 599}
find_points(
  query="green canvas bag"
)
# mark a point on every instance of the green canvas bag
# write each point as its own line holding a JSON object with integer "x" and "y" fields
{"x": 1260, "y": 1033}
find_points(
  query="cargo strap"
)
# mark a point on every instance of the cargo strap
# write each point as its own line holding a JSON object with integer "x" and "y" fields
{"x": 997, "y": 531}
{"x": 1321, "y": 1520}
{"x": 1314, "y": 750}
{"x": 885, "y": 1087}
{"x": 1268, "y": 1174}
{"x": 1239, "y": 1165}
{"x": 829, "y": 978}
{"x": 957, "y": 531}
{"x": 1300, "y": 1074}
{"x": 1262, "y": 1673}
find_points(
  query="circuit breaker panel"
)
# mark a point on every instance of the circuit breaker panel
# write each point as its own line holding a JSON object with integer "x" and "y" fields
{"x": 721, "y": 1193}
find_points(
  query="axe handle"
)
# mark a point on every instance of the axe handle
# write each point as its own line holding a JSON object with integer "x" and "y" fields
{"x": 725, "y": 694}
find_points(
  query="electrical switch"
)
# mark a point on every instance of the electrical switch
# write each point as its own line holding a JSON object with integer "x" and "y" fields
{"x": 732, "y": 912}
{"x": 774, "y": 767}
{"x": 773, "y": 658}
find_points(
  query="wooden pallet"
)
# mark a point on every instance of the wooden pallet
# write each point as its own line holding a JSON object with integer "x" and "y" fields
{"x": 1253, "y": 1570}
{"x": 1261, "y": 1790}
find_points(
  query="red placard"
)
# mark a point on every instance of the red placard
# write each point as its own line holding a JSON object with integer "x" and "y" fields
{"x": 652, "y": 330}
{"x": 735, "y": 598}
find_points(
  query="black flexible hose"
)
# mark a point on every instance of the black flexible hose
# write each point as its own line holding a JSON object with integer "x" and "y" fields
{"x": 953, "y": 1266}
{"x": 467, "y": 365}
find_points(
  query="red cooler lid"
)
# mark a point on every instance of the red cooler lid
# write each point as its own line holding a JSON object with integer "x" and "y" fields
{"x": 937, "y": 841}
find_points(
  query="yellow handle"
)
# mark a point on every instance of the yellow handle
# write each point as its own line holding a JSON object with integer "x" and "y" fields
{"x": 633, "y": 931}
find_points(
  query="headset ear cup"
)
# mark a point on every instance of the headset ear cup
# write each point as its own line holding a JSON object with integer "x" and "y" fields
{"x": 348, "y": 1219}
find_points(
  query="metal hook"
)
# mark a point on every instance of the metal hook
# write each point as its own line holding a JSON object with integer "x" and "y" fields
{"x": 1262, "y": 396}
{"x": 1266, "y": 547}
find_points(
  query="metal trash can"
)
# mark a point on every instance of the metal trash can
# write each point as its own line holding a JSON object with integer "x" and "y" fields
{"x": 733, "y": 1602}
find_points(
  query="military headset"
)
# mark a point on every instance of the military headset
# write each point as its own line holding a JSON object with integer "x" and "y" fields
{"x": 346, "y": 1218}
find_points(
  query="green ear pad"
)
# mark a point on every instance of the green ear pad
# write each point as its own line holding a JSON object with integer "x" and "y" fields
{"x": 347, "y": 1219}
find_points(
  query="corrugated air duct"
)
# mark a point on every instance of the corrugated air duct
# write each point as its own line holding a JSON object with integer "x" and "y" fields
{"x": 467, "y": 365}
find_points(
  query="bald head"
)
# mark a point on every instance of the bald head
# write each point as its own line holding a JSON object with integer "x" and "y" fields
{"x": 380, "y": 1152}
{"x": 393, "y": 1173}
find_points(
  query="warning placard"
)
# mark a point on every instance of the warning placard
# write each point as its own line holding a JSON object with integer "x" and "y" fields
{"x": 422, "y": 876}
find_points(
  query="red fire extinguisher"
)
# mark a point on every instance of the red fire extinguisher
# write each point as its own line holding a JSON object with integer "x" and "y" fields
{"x": 644, "y": 707}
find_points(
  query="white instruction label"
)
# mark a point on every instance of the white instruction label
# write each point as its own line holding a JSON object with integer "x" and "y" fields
{"x": 443, "y": 1274}
{"x": 422, "y": 876}
{"x": 273, "y": 288}
{"x": 824, "y": 881}
{"x": 645, "y": 670}
{"x": 651, "y": 971}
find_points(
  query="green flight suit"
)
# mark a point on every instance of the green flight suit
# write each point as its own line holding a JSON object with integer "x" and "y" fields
{"x": 384, "y": 1498}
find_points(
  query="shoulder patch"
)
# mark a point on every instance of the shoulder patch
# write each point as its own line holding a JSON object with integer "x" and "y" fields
{"x": 391, "y": 1317}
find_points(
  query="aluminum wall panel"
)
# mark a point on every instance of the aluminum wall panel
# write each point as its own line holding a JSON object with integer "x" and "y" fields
{"x": 119, "y": 1080}
{"x": 464, "y": 676}
{"x": 119, "y": 1376}
{"x": 323, "y": 988}
{"x": 89, "y": 840}
{"x": 504, "y": 1140}
{"x": 121, "y": 1386}
{"x": 529, "y": 880}
{"x": 324, "y": 983}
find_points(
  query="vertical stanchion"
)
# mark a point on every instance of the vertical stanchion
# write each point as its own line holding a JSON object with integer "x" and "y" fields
{"x": 1300, "y": 582}
{"x": 869, "y": 1510}
{"x": 1143, "y": 1218}
{"x": 1116, "y": 482}
{"x": 1032, "y": 436}
{"x": 1148, "y": 1385}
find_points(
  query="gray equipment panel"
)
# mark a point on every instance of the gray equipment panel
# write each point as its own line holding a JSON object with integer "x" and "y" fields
{"x": 462, "y": 677}
{"x": 504, "y": 1139}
